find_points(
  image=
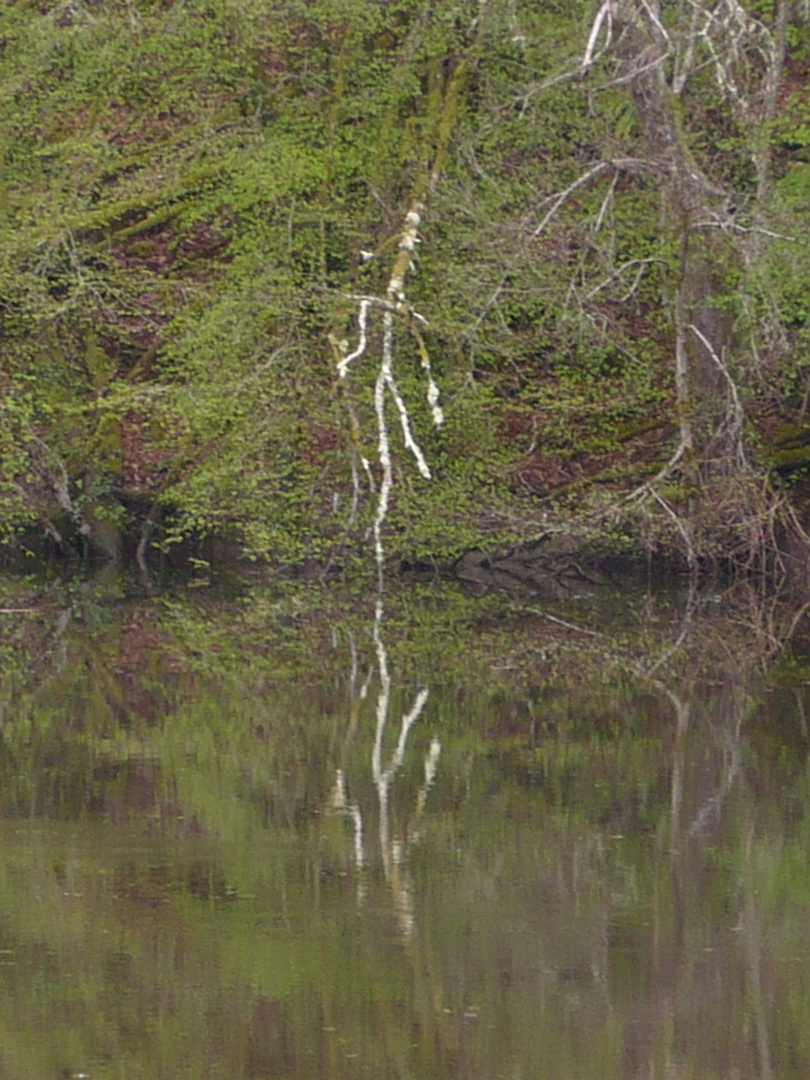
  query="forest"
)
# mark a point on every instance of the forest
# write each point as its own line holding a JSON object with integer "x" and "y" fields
{"x": 332, "y": 277}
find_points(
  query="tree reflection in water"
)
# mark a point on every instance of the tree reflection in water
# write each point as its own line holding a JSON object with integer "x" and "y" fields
{"x": 393, "y": 848}
{"x": 581, "y": 854}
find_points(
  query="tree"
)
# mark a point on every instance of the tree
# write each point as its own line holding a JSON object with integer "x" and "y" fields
{"x": 715, "y": 217}
{"x": 704, "y": 82}
{"x": 190, "y": 196}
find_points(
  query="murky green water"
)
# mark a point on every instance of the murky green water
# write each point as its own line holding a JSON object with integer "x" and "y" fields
{"x": 254, "y": 836}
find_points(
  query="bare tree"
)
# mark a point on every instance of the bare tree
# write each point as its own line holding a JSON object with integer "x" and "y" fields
{"x": 671, "y": 54}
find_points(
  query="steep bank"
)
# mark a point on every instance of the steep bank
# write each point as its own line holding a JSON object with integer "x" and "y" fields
{"x": 607, "y": 275}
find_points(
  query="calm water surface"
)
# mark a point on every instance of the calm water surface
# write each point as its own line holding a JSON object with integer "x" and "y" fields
{"x": 255, "y": 836}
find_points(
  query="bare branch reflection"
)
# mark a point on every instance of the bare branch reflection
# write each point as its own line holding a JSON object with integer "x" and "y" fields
{"x": 711, "y": 662}
{"x": 393, "y": 847}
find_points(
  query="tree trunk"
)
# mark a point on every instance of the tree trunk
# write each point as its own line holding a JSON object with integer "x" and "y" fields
{"x": 689, "y": 199}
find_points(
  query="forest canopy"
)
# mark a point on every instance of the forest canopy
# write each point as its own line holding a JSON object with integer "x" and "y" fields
{"x": 578, "y": 229}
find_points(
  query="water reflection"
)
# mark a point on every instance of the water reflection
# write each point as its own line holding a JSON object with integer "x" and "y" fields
{"x": 393, "y": 848}
{"x": 246, "y": 836}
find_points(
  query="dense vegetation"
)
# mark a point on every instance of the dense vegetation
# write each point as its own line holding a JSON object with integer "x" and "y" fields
{"x": 611, "y": 268}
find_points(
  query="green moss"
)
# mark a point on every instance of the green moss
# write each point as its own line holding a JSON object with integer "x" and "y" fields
{"x": 792, "y": 459}
{"x": 791, "y": 436}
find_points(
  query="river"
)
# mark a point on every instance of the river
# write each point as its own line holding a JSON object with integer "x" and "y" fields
{"x": 264, "y": 831}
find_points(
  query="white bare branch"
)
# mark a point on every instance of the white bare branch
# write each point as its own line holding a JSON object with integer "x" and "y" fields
{"x": 394, "y": 303}
{"x": 656, "y": 21}
{"x": 646, "y": 488}
{"x": 362, "y": 320}
{"x": 562, "y": 198}
{"x": 738, "y": 411}
{"x": 603, "y": 15}
{"x": 617, "y": 273}
{"x": 387, "y": 371}
{"x": 733, "y": 226}
{"x": 383, "y": 449}
{"x": 681, "y": 526}
{"x": 608, "y": 199}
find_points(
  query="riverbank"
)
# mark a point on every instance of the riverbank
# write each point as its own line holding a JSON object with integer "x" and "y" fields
{"x": 290, "y": 279}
